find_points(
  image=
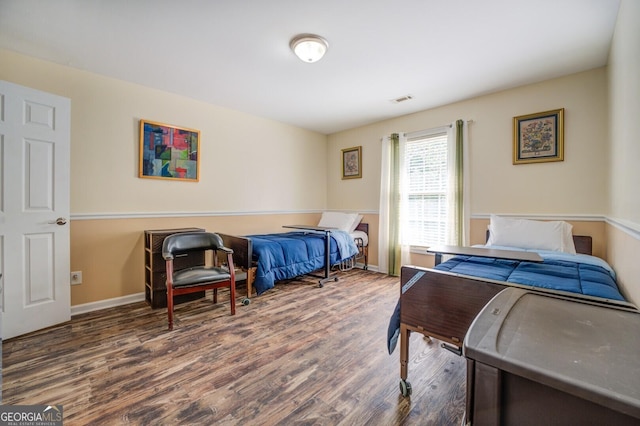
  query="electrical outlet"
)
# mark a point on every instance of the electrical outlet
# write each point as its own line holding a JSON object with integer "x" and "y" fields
{"x": 76, "y": 278}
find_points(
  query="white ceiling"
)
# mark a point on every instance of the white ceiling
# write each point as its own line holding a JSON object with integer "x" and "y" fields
{"x": 236, "y": 54}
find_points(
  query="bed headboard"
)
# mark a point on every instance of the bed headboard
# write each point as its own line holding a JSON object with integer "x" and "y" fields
{"x": 364, "y": 227}
{"x": 583, "y": 243}
{"x": 242, "y": 249}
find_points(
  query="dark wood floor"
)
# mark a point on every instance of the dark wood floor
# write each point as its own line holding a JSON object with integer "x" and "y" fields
{"x": 298, "y": 354}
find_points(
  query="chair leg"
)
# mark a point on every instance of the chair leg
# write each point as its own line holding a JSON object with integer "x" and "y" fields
{"x": 232, "y": 296}
{"x": 170, "y": 306}
{"x": 215, "y": 295}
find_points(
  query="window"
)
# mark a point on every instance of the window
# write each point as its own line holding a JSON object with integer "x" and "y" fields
{"x": 423, "y": 201}
{"x": 425, "y": 192}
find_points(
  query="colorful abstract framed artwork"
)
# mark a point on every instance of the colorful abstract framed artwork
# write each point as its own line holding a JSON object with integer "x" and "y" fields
{"x": 538, "y": 137}
{"x": 169, "y": 152}
{"x": 352, "y": 163}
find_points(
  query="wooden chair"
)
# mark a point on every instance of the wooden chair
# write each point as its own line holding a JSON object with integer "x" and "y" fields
{"x": 198, "y": 278}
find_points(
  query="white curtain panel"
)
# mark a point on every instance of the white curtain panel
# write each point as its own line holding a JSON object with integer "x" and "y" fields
{"x": 466, "y": 185}
{"x": 451, "y": 236}
{"x": 383, "y": 219}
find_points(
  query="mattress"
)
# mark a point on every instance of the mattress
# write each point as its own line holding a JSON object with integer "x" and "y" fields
{"x": 362, "y": 235}
{"x": 574, "y": 273}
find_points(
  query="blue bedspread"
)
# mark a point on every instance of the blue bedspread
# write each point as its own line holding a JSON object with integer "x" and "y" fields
{"x": 583, "y": 274}
{"x": 291, "y": 254}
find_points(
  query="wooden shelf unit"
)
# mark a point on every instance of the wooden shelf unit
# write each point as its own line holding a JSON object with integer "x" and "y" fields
{"x": 155, "y": 275}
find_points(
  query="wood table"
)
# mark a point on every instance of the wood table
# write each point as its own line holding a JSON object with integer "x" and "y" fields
{"x": 527, "y": 256}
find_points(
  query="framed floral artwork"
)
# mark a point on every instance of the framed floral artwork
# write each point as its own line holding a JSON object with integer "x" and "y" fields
{"x": 352, "y": 163}
{"x": 538, "y": 137}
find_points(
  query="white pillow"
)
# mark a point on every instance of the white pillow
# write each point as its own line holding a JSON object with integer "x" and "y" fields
{"x": 342, "y": 221}
{"x": 568, "y": 245}
{"x": 356, "y": 222}
{"x": 531, "y": 234}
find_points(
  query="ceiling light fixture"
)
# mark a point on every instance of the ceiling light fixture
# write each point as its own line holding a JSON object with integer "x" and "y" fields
{"x": 309, "y": 47}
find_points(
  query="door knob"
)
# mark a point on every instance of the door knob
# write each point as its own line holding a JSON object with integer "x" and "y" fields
{"x": 59, "y": 221}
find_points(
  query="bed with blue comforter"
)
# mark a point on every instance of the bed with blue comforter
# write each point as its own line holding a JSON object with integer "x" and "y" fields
{"x": 291, "y": 254}
{"x": 562, "y": 273}
{"x": 442, "y": 302}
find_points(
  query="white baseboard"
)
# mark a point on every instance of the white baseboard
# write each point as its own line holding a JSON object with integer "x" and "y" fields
{"x": 370, "y": 267}
{"x": 108, "y": 303}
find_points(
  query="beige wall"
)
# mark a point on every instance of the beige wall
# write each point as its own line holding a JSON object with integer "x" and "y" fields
{"x": 247, "y": 163}
{"x": 624, "y": 247}
{"x": 624, "y": 99}
{"x": 498, "y": 186}
{"x": 623, "y": 242}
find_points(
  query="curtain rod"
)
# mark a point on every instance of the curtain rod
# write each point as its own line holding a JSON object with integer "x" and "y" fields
{"x": 431, "y": 131}
{"x": 466, "y": 121}
{"x": 440, "y": 127}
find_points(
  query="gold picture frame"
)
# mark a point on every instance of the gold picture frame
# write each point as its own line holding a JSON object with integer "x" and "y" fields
{"x": 352, "y": 162}
{"x": 539, "y": 137}
{"x": 169, "y": 152}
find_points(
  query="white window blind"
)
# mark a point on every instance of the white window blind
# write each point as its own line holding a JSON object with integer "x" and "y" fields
{"x": 425, "y": 186}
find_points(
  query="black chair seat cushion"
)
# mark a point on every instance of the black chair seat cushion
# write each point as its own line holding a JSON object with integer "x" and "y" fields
{"x": 199, "y": 275}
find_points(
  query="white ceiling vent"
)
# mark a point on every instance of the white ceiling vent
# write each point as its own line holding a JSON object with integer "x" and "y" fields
{"x": 402, "y": 99}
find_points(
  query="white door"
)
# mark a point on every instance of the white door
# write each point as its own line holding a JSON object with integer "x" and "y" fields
{"x": 34, "y": 209}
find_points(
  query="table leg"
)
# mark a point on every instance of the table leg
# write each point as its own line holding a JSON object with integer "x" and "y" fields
{"x": 327, "y": 260}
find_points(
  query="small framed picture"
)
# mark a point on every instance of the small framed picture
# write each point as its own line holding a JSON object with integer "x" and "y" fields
{"x": 169, "y": 152}
{"x": 352, "y": 162}
{"x": 538, "y": 137}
